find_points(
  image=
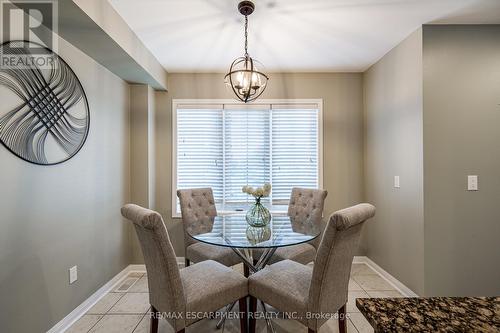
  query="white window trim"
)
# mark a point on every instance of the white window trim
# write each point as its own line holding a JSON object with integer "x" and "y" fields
{"x": 176, "y": 102}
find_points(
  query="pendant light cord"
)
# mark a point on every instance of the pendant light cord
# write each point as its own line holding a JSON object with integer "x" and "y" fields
{"x": 246, "y": 36}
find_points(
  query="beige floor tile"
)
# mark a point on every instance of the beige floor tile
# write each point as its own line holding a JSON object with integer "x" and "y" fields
{"x": 362, "y": 269}
{"x": 117, "y": 324}
{"x": 84, "y": 324}
{"x": 140, "y": 286}
{"x": 384, "y": 294}
{"x": 351, "y": 300}
{"x": 354, "y": 286}
{"x": 137, "y": 303}
{"x": 361, "y": 324}
{"x": 105, "y": 303}
{"x": 332, "y": 326}
{"x": 372, "y": 282}
{"x": 284, "y": 325}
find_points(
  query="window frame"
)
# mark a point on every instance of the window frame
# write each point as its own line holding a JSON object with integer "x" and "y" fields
{"x": 207, "y": 102}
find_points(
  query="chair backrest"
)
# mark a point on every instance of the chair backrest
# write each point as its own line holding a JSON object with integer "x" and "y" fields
{"x": 166, "y": 292}
{"x": 198, "y": 211}
{"x": 305, "y": 209}
{"x": 332, "y": 267}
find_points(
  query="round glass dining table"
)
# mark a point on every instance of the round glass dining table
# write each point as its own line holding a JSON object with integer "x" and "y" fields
{"x": 256, "y": 245}
{"x": 233, "y": 231}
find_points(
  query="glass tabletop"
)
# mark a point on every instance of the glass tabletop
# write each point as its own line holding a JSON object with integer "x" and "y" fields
{"x": 233, "y": 231}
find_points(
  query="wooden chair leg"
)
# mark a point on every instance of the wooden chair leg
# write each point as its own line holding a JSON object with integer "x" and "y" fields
{"x": 251, "y": 313}
{"x": 186, "y": 262}
{"x": 342, "y": 320}
{"x": 154, "y": 320}
{"x": 243, "y": 315}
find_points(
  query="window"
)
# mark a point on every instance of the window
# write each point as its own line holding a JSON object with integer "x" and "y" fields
{"x": 225, "y": 145}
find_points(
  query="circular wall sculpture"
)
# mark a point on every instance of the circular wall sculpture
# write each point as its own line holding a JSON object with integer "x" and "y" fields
{"x": 44, "y": 113}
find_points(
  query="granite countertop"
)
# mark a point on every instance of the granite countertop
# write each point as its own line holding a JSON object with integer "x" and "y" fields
{"x": 433, "y": 314}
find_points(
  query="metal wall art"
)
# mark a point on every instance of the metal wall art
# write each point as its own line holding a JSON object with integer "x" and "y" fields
{"x": 44, "y": 117}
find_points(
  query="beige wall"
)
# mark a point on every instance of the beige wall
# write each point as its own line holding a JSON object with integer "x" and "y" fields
{"x": 394, "y": 239}
{"x": 142, "y": 154}
{"x": 343, "y": 132}
{"x": 54, "y": 217}
{"x": 461, "y": 71}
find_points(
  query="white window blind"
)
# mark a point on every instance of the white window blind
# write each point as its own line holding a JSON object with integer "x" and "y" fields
{"x": 199, "y": 149}
{"x": 294, "y": 149}
{"x": 226, "y": 146}
{"x": 247, "y": 154}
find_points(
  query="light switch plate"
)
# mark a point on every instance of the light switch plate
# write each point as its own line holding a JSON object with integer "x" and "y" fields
{"x": 73, "y": 274}
{"x": 472, "y": 183}
{"x": 396, "y": 182}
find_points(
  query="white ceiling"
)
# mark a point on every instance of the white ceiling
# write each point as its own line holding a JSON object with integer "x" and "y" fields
{"x": 288, "y": 35}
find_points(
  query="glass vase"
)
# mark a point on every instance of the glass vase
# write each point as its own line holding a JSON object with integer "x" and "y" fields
{"x": 258, "y": 215}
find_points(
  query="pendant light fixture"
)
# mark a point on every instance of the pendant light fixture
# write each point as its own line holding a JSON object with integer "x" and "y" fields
{"x": 244, "y": 78}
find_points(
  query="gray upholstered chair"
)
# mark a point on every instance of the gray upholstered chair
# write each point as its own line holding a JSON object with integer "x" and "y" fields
{"x": 305, "y": 210}
{"x": 198, "y": 213}
{"x": 320, "y": 290}
{"x": 200, "y": 288}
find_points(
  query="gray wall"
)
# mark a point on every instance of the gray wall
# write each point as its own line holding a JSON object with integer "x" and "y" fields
{"x": 431, "y": 116}
{"x": 343, "y": 132}
{"x": 58, "y": 216}
{"x": 461, "y": 71}
{"x": 394, "y": 239}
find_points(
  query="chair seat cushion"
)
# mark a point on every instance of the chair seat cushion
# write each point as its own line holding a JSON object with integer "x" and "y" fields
{"x": 284, "y": 285}
{"x": 209, "y": 285}
{"x": 199, "y": 252}
{"x": 302, "y": 253}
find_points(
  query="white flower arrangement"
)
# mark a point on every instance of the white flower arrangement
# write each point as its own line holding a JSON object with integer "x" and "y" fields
{"x": 259, "y": 192}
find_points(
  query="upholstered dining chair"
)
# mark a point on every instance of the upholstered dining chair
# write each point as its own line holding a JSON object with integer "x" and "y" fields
{"x": 200, "y": 288}
{"x": 315, "y": 293}
{"x": 198, "y": 212}
{"x": 305, "y": 210}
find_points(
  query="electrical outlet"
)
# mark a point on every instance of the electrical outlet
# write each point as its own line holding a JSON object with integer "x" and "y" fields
{"x": 396, "y": 182}
{"x": 73, "y": 274}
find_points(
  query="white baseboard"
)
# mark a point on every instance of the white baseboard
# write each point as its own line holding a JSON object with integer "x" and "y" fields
{"x": 404, "y": 290}
{"x": 79, "y": 311}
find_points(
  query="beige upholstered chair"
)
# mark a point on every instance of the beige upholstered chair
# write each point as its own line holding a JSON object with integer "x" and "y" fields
{"x": 198, "y": 213}
{"x": 305, "y": 211}
{"x": 202, "y": 287}
{"x": 320, "y": 290}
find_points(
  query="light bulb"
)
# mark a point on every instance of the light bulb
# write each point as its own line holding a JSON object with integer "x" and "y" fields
{"x": 246, "y": 82}
{"x": 239, "y": 79}
{"x": 256, "y": 83}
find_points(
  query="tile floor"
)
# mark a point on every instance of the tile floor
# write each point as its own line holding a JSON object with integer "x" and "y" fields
{"x": 125, "y": 309}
